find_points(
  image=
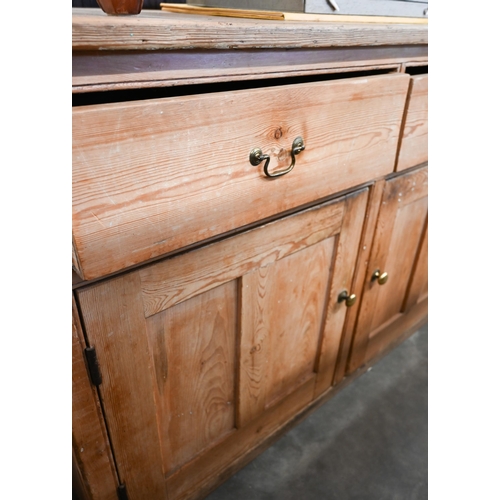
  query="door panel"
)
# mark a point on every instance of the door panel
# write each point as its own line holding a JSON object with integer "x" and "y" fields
{"x": 398, "y": 236}
{"x": 193, "y": 347}
{"x": 205, "y": 354}
{"x": 282, "y": 307}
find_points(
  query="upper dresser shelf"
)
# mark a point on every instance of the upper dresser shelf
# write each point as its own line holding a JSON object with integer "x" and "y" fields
{"x": 94, "y": 30}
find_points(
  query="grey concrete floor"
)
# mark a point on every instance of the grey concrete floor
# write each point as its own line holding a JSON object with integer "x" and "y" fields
{"x": 369, "y": 442}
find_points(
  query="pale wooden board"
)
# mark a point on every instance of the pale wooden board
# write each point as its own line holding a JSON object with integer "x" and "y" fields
{"x": 93, "y": 29}
{"x": 288, "y": 16}
{"x": 153, "y": 176}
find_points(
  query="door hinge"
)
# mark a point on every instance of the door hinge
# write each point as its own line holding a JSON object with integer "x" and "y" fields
{"x": 93, "y": 365}
{"x": 122, "y": 492}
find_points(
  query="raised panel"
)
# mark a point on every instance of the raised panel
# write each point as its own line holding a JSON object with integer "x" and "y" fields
{"x": 193, "y": 347}
{"x": 282, "y": 311}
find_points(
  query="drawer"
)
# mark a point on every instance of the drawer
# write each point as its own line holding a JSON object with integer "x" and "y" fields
{"x": 153, "y": 176}
{"x": 414, "y": 141}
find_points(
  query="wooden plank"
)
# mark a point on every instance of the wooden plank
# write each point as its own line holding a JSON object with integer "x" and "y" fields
{"x": 93, "y": 29}
{"x": 376, "y": 191}
{"x": 342, "y": 279}
{"x": 169, "y": 282}
{"x": 115, "y": 325}
{"x": 153, "y": 176}
{"x": 193, "y": 347}
{"x": 287, "y": 16}
{"x": 282, "y": 306}
{"x": 91, "y": 449}
{"x": 414, "y": 143}
{"x": 194, "y": 477}
{"x": 119, "y": 70}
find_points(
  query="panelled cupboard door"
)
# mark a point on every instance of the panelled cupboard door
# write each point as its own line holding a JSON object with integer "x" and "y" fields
{"x": 205, "y": 354}
{"x": 400, "y": 250}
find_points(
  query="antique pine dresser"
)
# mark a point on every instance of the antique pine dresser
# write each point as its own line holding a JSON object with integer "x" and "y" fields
{"x": 249, "y": 234}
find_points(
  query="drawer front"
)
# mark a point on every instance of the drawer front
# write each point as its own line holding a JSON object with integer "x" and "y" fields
{"x": 153, "y": 176}
{"x": 414, "y": 142}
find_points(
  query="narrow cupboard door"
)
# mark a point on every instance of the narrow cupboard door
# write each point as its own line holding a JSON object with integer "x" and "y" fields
{"x": 205, "y": 354}
{"x": 398, "y": 244}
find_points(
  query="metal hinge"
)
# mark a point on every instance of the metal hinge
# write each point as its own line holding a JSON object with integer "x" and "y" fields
{"x": 93, "y": 365}
{"x": 122, "y": 492}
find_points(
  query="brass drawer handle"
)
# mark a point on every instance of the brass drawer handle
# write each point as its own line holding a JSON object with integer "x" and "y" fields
{"x": 349, "y": 299}
{"x": 380, "y": 277}
{"x": 256, "y": 157}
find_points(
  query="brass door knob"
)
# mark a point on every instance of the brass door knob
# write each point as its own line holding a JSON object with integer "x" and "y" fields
{"x": 349, "y": 299}
{"x": 380, "y": 277}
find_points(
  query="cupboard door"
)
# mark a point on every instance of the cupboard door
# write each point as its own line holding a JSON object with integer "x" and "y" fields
{"x": 206, "y": 354}
{"x": 399, "y": 250}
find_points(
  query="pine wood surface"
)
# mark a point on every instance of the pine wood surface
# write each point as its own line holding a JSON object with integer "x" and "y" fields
{"x": 91, "y": 448}
{"x": 93, "y": 29}
{"x": 414, "y": 147}
{"x": 153, "y": 176}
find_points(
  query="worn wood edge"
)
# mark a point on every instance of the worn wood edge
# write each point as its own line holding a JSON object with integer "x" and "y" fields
{"x": 403, "y": 124}
{"x": 220, "y": 237}
{"x": 79, "y": 88}
{"x": 156, "y": 30}
{"x": 245, "y": 459}
{"x": 95, "y": 484}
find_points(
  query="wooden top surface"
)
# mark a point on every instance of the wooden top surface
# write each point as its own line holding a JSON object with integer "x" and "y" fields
{"x": 95, "y": 30}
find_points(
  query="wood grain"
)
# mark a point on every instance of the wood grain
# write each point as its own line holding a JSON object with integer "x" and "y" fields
{"x": 91, "y": 449}
{"x": 153, "y": 176}
{"x": 282, "y": 308}
{"x": 193, "y": 347}
{"x": 169, "y": 282}
{"x": 414, "y": 149}
{"x": 115, "y": 325}
{"x": 343, "y": 267}
{"x": 187, "y": 482}
{"x": 92, "y": 29}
